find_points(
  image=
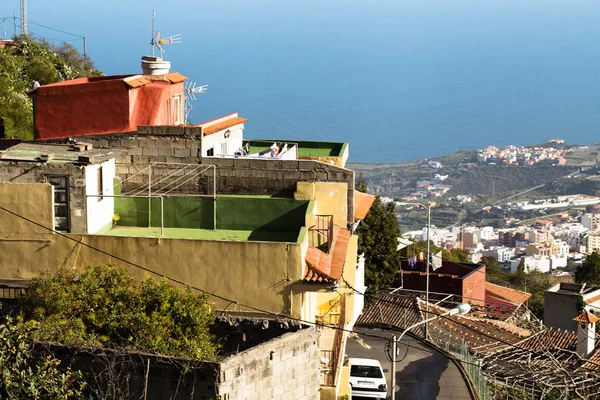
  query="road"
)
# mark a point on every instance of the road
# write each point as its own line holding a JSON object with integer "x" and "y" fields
{"x": 423, "y": 373}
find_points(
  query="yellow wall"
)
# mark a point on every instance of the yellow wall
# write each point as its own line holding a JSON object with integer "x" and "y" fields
{"x": 248, "y": 272}
{"x": 337, "y": 161}
{"x": 330, "y": 199}
{"x": 32, "y": 200}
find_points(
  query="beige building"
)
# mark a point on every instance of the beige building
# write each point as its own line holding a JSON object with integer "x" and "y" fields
{"x": 289, "y": 256}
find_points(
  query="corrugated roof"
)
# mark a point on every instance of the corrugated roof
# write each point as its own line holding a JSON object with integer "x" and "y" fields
{"x": 209, "y": 130}
{"x": 586, "y": 317}
{"x": 362, "y": 204}
{"x": 514, "y": 296}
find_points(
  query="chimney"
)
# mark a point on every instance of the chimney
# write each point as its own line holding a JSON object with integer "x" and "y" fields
{"x": 155, "y": 66}
{"x": 586, "y": 333}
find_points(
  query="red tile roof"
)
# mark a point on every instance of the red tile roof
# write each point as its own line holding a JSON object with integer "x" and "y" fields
{"x": 586, "y": 317}
{"x": 326, "y": 268}
{"x": 514, "y": 296}
{"x": 362, "y": 204}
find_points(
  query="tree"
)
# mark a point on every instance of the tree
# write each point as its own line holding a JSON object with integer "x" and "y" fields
{"x": 378, "y": 239}
{"x": 26, "y": 375}
{"x": 589, "y": 270}
{"x": 100, "y": 306}
{"x": 28, "y": 61}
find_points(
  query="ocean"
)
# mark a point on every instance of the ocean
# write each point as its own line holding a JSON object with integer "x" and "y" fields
{"x": 397, "y": 80}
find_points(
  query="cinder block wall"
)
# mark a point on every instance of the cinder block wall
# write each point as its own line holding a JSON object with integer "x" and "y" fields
{"x": 27, "y": 172}
{"x": 179, "y": 144}
{"x": 276, "y": 177}
{"x": 283, "y": 368}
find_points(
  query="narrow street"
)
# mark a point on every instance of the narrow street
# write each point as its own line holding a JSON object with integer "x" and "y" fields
{"x": 423, "y": 373}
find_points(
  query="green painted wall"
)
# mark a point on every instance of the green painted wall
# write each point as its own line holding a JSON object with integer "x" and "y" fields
{"x": 233, "y": 213}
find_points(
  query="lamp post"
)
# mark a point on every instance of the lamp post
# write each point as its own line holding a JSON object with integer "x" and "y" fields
{"x": 463, "y": 308}
{"x": 426, "y": 206}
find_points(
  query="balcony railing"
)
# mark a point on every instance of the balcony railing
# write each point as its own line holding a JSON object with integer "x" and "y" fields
{"x": 321, "y": 234}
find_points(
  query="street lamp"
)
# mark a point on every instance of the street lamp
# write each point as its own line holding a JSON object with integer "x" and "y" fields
{"x": 426, "y": 206}
{"x": 463, "y": 308}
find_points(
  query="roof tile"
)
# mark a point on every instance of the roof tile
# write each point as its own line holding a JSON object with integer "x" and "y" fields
{"x": 362, "y": 204}
{"x": 514, "y": 296}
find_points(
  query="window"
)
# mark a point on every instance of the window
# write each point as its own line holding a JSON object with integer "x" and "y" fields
{"x": 100, "y": 184}
{"x": 210, "y": 152}
{"x": 177, "y": 111}
{"x": 61, "y": 202}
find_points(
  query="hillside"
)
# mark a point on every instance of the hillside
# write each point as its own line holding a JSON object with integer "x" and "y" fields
{"x": 26, "y": 60}
{"x": 486, "y": 184}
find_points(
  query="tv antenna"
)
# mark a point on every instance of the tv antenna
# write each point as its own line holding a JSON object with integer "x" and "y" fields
{"x": 158, "y": 42}
{"x": 189, "y": 92}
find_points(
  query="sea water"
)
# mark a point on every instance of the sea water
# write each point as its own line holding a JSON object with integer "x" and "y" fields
{"x": 398, "y": 80}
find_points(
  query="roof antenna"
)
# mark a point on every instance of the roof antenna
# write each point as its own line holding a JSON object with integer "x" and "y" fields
{"x": 189, "y": 92}
{"x": 158, "y": 42}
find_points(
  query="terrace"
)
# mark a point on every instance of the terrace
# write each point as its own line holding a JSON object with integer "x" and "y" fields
{"x": 228, "y": 218}
{"x": 336, "y": 152}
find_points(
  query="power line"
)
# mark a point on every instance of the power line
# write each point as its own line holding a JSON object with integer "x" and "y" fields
{"x": 45, "y": 26}
{"x": 454, "y": 321}
{"x": 278, "y": 315}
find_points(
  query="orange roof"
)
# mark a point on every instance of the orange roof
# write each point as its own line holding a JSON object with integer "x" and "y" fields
{"x": 326, "y": 268}
{"x": 511, "y": 295}
{"x": 593, "y": 299}
{"x": 228, "y": 123}
{"x": 586, "y": 317}
{"x": 136, "y": 81}
{"x": 362, "y": 204}
{"x": 175, "y": 77}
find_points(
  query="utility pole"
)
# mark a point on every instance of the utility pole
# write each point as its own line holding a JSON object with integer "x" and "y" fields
{"x": 14, "y": 23}
{"x": 24, "y": 17}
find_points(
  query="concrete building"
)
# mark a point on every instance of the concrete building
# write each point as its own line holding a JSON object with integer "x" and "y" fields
{"x": 502, "y": 254}
{"x": 107, "y": 104}
{"x": 564, "y": 301}
{"x": 591, "y": 221}
{"x": 465, "y": 281}
{"x": 593, "y": 242}
{"x": 266, "y": 222}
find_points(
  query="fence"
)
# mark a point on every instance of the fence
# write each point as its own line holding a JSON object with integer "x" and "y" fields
{"x": 444, "y": 340}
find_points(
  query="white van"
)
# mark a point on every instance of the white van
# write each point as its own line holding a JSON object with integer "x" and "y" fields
{"x": 367, "y": 378}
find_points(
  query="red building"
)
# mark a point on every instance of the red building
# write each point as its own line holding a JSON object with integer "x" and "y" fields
{"x": 466, "y": 281}
{"x": 107, "y": 104}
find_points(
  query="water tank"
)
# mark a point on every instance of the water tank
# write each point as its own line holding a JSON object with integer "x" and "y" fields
{"x": 155, "y": 66}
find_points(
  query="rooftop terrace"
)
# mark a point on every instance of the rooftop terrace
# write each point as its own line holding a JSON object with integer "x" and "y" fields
{"x": 234, "y": 218}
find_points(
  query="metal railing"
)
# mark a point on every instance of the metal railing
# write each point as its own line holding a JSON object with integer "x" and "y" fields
{"x": 321, "y": 234}
{"x": 444, "y": 340}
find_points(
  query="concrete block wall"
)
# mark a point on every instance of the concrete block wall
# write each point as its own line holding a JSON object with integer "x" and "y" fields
{"x": 165, "y": 144}
{"x": 28, "y": 172}
{"x": 283, "y": 368}
{"x": 276, "y": 177}
{"x": 180, "y": 144}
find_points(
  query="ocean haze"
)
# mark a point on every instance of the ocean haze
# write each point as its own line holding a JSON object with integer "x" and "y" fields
{"x": 398, "y": 80}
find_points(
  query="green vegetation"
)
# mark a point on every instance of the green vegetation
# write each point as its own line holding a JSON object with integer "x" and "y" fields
{"x": 32, "y": 60}
{"x": 589, "y": 270}
{"x": 24, "y": 375}
{"x": 378, "y": 239}
{"x": 101, "y": 307}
